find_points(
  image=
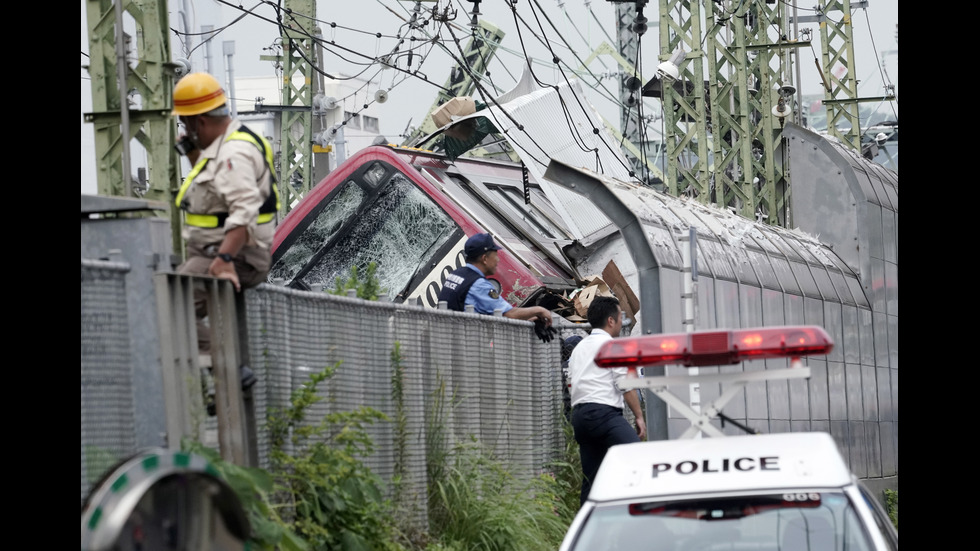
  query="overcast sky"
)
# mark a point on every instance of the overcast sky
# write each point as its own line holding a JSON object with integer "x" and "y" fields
{"x": 249, "y": 26}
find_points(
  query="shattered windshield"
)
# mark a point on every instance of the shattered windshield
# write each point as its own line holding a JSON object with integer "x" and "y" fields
{"x": 397, "y": 231}
{"x": 823, "y": 521}
{"x": 319, "y": 232}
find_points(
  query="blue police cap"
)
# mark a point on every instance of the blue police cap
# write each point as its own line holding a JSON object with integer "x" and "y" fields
{"x": 479, "y": 244}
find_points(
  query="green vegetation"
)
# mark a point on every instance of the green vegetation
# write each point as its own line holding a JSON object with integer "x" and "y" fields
{"x": 320, "y": 495}
{"x": 480, "y": 505}
{"x": 255, "y": 489}
{"x": 475, "y": 503}
{"x": 367, "y": 285}
{"x": 891, "y": 505}
{"x": 567, "y": 473}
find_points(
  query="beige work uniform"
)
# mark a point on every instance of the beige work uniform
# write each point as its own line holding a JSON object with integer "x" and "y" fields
{"x": 236, "y": 180}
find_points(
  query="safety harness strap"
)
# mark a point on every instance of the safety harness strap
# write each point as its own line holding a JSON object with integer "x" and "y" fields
{"x": 268, "y": 210}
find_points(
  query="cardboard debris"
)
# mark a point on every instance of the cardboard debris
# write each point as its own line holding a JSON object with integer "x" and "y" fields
{"x": 617, "y": 283}
{"x": 594, "y": 287}
{"x": 610, "y": 284}
{"x": 456, "y": 107}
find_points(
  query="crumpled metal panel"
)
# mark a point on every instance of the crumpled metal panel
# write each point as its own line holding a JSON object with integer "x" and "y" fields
{"x": 526, "y": 117}
{"x": 798, "y": 260}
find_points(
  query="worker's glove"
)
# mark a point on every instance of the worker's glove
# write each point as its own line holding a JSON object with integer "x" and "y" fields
{"x": 544, "y": 332}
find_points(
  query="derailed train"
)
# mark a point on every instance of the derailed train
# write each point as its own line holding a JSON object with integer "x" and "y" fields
{"x": 409, "y": 211}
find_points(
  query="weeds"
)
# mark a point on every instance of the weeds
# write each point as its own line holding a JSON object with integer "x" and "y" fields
{"x": 318, "y": 494}
{"x": 336, "y": 499}
{"x": 891, "y": 505}
{"x": 321, "y": 497}
{"x": 367, "y": 285}
{"x": 475, "y": 502}
{"x": 485, "y": 507}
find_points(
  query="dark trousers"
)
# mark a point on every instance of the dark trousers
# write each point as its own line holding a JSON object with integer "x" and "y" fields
{"x": 196, "y": 264}
{"x": 597, "y": 428}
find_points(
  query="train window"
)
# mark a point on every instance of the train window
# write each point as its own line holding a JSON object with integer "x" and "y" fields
{"x": 398, "y": 231}
{"x": 509, "y": 198}
{"x": 320, "y": 231}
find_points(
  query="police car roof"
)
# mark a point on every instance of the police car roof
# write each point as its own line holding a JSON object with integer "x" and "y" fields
{"x": 764, "y": 462}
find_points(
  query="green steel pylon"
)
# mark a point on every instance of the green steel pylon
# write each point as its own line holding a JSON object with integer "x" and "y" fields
{"x": 151, "y": 76}
{"x": 298, "y": 26}
{"x": 724, "y": 115}
{"x": 751, "y": 100}
{"x": 685, "y": 108}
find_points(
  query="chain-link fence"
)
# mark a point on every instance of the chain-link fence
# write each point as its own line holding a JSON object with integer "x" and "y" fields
{"x": 456, "y": 377}
{"x": 471, "y": 375}
{"x": 108, "y": 427}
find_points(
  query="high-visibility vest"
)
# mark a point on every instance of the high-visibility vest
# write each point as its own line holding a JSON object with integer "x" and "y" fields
{"x": 268, "y": 210}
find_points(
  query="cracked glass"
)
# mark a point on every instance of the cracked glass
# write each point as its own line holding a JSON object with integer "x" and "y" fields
{"x": 399, "y": 231}
{"x": 326, "y": 224}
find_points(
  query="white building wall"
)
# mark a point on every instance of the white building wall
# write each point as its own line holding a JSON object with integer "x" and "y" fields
{"x": 363, "y": 124}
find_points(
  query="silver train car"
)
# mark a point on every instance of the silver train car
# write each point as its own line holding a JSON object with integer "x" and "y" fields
{"x": 706, "y": 267}
{"x": 838, "y": 268}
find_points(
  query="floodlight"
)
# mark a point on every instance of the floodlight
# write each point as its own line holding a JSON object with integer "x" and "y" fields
{"x": 670, "y": 70}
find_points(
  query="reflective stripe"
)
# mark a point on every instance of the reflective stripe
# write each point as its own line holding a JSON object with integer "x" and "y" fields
{"x": 199, "y": 100}
{"x": 201, "y": 220}
{"x": 218, "y": 220}
{"x": 187, "y": 181}
{"x": 267, "y": 211}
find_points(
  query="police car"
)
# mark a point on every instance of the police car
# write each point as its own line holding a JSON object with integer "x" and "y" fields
{"x": 756, "y": 492}
{"x": 773, "y": 492}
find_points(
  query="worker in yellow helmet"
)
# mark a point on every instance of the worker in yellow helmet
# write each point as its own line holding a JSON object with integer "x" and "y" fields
{"x": 229, "y": 198}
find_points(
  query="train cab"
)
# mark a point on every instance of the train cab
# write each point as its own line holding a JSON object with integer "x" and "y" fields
{"x": 409, "y": 212}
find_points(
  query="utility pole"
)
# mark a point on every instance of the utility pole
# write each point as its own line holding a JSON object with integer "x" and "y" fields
{"x": 734, "y": 91}
{"x": 298, "y": 64}
{"x": 722, "y": 136}
{"x": 838, "y": 72}
{"x": 750, "y": 99}
{"x": 631, "y": 26}
{"x": 114, "y": 77}
{"x": 685, "y": 108}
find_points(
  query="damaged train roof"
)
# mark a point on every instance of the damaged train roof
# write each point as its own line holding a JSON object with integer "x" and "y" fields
{"x": 410, "y": 209}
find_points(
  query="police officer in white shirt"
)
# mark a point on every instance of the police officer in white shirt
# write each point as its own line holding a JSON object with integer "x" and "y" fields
{"x": 597, "y": 402}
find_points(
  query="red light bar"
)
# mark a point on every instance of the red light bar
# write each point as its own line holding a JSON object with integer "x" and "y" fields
{"x": 715, "y": 347}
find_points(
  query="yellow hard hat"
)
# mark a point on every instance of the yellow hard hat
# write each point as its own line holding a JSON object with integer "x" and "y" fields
{"x": 197, "y": 93}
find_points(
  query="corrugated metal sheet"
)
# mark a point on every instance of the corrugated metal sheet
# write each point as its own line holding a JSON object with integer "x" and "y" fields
{"x": 732, "y": 247}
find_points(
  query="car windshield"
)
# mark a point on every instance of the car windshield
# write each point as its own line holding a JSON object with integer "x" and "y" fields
{"x": 810, "y": 521}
